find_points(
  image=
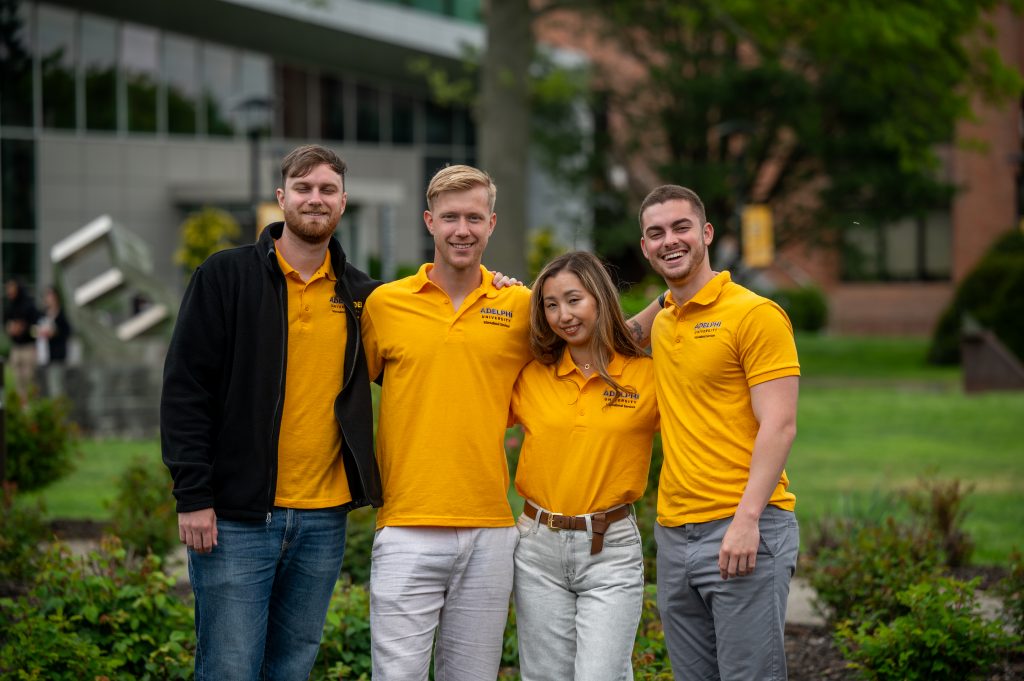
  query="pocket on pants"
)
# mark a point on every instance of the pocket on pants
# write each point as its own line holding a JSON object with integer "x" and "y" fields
{"x": 525, "y": 525}
{"x": 622, "y": 533}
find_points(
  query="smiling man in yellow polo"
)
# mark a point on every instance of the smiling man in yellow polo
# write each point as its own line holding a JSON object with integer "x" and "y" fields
{"x": 727, "y": 376}
{"x": 450, "y": 346}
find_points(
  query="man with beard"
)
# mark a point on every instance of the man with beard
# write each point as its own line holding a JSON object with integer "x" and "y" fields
{"x": 726, "y": 375}
{"x": 266, "y": 427}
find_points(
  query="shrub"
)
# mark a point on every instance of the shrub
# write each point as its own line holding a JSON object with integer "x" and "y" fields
{"x": 204, "y": 233}
{"x": 650, "y": 656}
{"x": 806, "y": 306}
{"x": 941, "y": 637}
{"x": 40, "y": 440}
{"x": 993, "y": 294}
{"x": 109, "y": 602}
{"x": 143, "y": 513}
{"x": 860, "y": 577}
{"x": 345, "y": 647}
{"x": 359, "y": 533}
{"x": 22, "y": 529}
{"x": 1011, "y": 590}
{"x": 940, "y": 506}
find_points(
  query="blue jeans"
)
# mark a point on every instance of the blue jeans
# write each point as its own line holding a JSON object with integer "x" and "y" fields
{"x": 262, "y": 594}
{"x": 577, "y": 614}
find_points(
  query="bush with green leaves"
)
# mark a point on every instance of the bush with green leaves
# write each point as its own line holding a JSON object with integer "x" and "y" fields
{"x": 941, "y": 636}
{"x": 1011, "y": 590}
{"x": 806, "y": 306}
{"x": 345, "y": 647}
{"x": 859, "y": 577}
{"x": 941, "y": 505}
{"x": 143, "y": 513}
{"x": 359, "y": 533}
{"x": 993, "y": 295}
{"x": 22, "y": 529}
{"x": 650, "y": 656}
{"x": 204, "y": 233}
{"x": 107, "y": 615}
{"x": 41, "y": 440}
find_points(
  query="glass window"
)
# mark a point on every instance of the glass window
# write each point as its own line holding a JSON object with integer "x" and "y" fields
{"x": 938, "y": 245}
{"x": 57, "y": 66}
{"x": 16, "y": 68}
{"x": 17, "y": 189}
{"x": 294, "y": 100}
{"x": 99, "y": 67}
{"x": 403, "y": 119}
{"x": 181, "y": 74}
{"x": 332, "y": 102}
{"x": 440, "y": 129}
{"x": 464, "y": 121}
{"x": 256, "y": 82}
{"x": 468, "y": 10}
{"x": 367, "y": 114}
{"x": 901, "y": 241}
{"x": 140, "y": 69}
{"x": 220, "y": 77}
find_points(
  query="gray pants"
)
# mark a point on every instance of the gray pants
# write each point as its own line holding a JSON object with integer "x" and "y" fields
{"x": 726, "y": 629}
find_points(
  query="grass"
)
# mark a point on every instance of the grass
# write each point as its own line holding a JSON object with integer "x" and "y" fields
{"x": 87, "y": 491}
{"x": 874, "y": 417}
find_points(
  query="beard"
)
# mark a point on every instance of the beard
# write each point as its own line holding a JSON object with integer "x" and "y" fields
{"x": 312, "y": 231}
{"x": 682, "y": 270}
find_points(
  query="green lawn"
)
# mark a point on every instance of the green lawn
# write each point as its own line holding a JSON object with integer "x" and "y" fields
{"x": 86, "y": 491}
{"x": 873, "y": 418}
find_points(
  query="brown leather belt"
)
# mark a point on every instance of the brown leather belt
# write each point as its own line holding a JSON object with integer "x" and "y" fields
{"x": 599, "y": 522}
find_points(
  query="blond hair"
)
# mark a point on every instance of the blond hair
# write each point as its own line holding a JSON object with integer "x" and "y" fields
{"x": 460, "y": 178}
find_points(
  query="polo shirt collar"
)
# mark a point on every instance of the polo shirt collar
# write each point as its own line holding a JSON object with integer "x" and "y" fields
{"x": 420, "y": 280}
{"x": 326, "y": 268}
{"x": 709, "y": 293}
{"x": 566, "y": 366}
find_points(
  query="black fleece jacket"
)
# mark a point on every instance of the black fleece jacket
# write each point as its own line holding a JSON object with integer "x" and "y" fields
{"x": 223, "y": 387}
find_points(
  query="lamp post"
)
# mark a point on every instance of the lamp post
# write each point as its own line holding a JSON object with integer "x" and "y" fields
{"x": 734, "y": 133}
{"x": 256, "y": 115}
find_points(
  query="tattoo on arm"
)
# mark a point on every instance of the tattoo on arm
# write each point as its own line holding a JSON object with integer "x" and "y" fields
{"x": 638, "y": 332}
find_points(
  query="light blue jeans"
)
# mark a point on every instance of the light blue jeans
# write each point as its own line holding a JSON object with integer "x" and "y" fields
{"x": 454, "y": 581}
{"x": 732, "y": 629}
{"x": 577, "y": 614}
{"x": 262, "y": 594}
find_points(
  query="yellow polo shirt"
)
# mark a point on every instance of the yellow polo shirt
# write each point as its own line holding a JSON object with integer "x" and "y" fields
{"x": 708, "y": 353}
{"x": 448, "y": 377}
{"x": 310, "y": 471}
{"x": 580, "y": 454}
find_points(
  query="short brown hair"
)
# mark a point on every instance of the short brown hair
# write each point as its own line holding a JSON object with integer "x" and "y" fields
{"x": 460, "y": 178}
{"x": 302, "y": 160}
{"x": 672, "y": 192}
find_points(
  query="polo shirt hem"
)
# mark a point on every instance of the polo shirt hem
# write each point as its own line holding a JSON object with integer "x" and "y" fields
{"x": 772, "y": 375}
{"x": 676, "y": 521}
{"x": 445, "y": 521}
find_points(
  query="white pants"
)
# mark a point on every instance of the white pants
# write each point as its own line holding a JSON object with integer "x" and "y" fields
{"x": 454, "y": 581}
{"x": 576, "y": 613}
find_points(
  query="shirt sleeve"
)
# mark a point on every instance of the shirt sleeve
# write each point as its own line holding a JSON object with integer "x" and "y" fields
{"x": 767, "y": 348}
{"x": 371, "y": 341}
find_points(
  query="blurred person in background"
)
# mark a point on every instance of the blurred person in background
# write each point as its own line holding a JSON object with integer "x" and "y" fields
{"x": 55, "y": 331}
{"x": 20, "y": 317}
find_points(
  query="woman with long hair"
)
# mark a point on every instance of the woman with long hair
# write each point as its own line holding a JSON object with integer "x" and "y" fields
{"x": 589, "y": 414}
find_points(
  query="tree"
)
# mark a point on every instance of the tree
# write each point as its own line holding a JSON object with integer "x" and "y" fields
{"x": 830, "y": 111}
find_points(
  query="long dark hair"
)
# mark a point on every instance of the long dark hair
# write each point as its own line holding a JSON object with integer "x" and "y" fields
{"x": 610, "y": 334}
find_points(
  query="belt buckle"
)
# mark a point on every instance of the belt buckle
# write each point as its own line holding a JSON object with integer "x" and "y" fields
{"x": 551, "y": 522}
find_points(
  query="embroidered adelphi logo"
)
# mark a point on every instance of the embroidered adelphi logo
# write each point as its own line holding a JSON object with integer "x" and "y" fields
{"x": 706, "y": 329}
{"x": 496, "y": 316}
{"x": 627, "y": 400}
{"x": 337, "y": 304}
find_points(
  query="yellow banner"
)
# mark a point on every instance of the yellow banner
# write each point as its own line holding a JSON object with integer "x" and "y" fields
{"x": 758, "y": 236}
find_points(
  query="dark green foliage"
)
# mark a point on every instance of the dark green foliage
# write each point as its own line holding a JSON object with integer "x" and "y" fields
{"x": 992, "y": 295}
{"x": 40, "y": 440}
{"x": 108, "y": 614}
{"x": 359, "y": 533}
{"x": 941, "y": 636}
{"x": 650, "y": 656}
{"x": 345, "y": 647}
{"x": 143, "y": 513}
{"x": 1011, "y": 589}
{"x": 941, "y": 506}
{"x": 806, "y": 306}
{"x": 22, "y": 529}
{"x": 860, "y": 576}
